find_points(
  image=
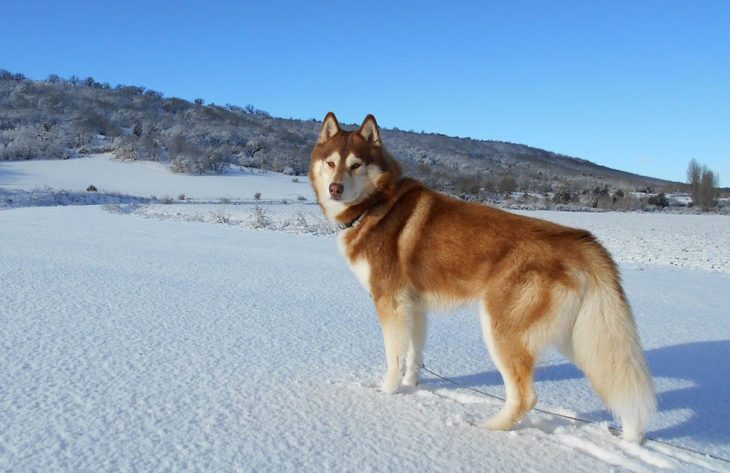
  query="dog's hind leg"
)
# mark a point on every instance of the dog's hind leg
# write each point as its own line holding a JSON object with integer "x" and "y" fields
{"x": 394, "y": 320}
{"x": 515, "y": 363}
{"x": 414, "y": 357}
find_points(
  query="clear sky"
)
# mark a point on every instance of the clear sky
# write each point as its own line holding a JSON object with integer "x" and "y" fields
{"x": 638, "y": 85}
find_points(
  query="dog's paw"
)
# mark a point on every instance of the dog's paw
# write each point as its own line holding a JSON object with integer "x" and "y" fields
{"x": 412, "y": 378}
{"x": 500, "y": 421}
{"x": 391, "y": 383}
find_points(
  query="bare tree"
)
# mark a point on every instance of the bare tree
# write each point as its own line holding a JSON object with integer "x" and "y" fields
{"x": 694, "y": 174}
{"x": 708, "y": 188}
{"x": 703, "y": 183}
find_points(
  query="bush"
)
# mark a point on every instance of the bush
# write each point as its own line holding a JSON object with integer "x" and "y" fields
{"x": 659, "y": 200}
{"x": 221, "y": 217}
{"x": 33, "y": 142}
{"x": 507, "y": 185}
{"x": 565, "y": 196}
{"x": 260, "y": 218}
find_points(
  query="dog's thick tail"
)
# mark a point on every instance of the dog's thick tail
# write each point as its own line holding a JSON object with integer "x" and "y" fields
{"x": 606, "y": 347}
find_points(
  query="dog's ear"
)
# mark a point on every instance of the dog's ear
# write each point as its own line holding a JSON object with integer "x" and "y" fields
{"x": 330, "y": 127}
{"x": 370, "y": 131}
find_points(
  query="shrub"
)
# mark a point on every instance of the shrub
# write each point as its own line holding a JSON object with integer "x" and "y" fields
{"x": 507, "y": 185}
{"x": 565, "y": 196}
{"x": 260, "y": 218}
{"x": 33, "y": 142}
{"x": 221, "y": 217}
{"x": 660, "y": 200}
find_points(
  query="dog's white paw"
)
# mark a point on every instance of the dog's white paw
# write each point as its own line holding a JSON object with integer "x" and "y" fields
{"x": 391, "y": 383}
{"x": 412, "y": 378}
{"x": 632, "y": 434}
{"x": 500, "y": 421}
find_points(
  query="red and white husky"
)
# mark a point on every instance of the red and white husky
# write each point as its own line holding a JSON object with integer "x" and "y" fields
{"x": 536, "y": 283}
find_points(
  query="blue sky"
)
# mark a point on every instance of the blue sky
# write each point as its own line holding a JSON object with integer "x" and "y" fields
{"x": 642, "y": 86}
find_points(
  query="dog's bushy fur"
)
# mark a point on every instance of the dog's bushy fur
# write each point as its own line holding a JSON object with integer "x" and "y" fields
{"x": 536, "y": 283}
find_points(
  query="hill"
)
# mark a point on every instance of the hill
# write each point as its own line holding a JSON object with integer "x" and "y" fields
{"x": 62, "y": 118}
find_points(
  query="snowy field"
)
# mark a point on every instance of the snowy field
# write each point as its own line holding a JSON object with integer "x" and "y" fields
{"x": 140, "y": 336}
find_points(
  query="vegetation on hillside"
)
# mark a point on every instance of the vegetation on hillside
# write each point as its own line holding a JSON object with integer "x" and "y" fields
{"x": 63, "y": 118}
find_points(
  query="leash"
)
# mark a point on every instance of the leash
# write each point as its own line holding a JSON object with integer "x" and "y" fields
{"x": 575, "y": 419}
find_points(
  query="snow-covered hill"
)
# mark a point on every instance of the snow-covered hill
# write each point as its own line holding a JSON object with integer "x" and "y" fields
{"x": 172, "y": 343}
{"x": 63, "y": 118}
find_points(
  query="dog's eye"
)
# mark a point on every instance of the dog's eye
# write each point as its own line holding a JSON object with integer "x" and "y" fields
{"x": 355, "y": 166}
{"x": 330, "y": 164}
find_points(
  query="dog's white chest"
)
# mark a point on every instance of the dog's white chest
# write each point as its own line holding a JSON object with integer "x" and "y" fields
{"x": 360, "y": 267}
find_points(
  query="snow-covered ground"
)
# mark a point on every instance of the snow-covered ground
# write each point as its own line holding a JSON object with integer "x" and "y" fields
{"x": 148, "y": 179}
{"x": 191, "y": 341}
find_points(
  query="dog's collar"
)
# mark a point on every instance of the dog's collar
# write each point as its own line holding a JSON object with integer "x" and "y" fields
{"x": 354, "y": 223}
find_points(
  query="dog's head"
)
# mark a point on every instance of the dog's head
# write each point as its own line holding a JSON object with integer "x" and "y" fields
{"x": 349, "y": 167}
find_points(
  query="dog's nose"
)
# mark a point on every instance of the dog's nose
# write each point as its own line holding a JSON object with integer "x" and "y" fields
{"x": 336, "y": 190}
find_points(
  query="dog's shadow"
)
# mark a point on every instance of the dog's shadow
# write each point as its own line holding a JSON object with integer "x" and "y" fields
{"x": 703, "y": 366}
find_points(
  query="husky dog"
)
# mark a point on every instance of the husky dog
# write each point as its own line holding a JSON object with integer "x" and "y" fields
{"x": 536, "y": 283}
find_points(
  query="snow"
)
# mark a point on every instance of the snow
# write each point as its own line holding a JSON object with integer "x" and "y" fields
{"x": 147, "y": 179}
{"x": 150, "y": 337}
{"x": 641, "y": 239}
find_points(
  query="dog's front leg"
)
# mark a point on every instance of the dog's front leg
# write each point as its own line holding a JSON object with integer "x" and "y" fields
{"x": 414, "y": 357}
{"x": 394, "y": 322}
